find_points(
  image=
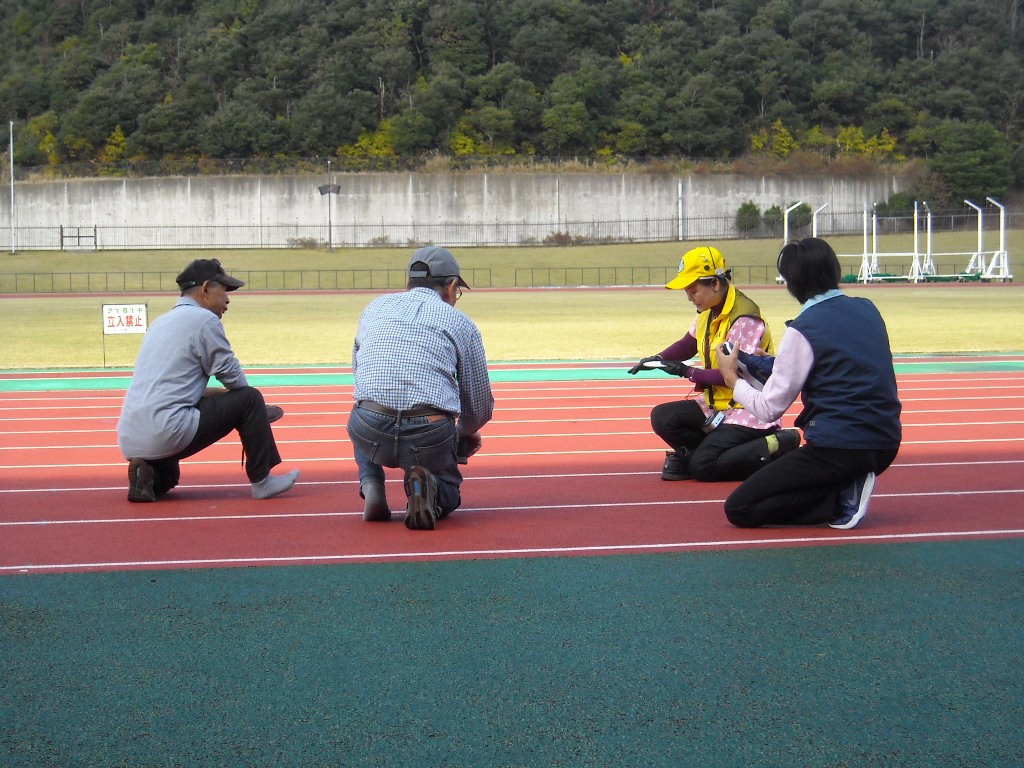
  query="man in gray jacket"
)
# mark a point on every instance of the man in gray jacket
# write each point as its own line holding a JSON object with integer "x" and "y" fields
{"x": 170, "y": 413}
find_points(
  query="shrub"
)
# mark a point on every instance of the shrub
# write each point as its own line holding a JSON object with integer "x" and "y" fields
{"x": 748, "y": 218}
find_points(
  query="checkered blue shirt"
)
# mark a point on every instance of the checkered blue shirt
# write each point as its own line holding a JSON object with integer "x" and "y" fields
{"x": 414, "y": 349}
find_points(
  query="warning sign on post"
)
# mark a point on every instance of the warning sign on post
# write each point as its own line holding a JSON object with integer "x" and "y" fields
{"x": 124, "y": 318}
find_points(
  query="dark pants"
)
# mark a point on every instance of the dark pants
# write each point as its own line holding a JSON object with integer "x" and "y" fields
{"x": 240, "y": 409}
{"x": 802, "y": 487}
{"x": 379, "y": 441}
{"x": 728, "y": 452}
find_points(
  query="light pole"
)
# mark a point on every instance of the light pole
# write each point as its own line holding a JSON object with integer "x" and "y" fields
{"x": 11, "y": 128}
{"x": 329, "y": 189}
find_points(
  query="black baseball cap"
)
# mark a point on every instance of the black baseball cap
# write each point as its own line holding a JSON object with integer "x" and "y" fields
{"x": 201, "y": 270}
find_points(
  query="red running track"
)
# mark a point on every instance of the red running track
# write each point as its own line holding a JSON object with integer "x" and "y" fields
{"x": 567, "y": 468}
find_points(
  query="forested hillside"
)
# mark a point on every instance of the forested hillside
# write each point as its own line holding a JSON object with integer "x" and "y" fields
{"x": 116, "y": 82}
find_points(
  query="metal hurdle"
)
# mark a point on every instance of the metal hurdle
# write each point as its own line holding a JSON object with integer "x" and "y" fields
{"x": 922, "y": 265}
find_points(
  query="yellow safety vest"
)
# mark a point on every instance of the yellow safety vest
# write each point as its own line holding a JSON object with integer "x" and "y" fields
{"x": 712, "y": 331}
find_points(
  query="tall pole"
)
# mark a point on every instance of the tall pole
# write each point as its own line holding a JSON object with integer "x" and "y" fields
{"x": 329, "y": 206}
{"x": 11, "y": 153}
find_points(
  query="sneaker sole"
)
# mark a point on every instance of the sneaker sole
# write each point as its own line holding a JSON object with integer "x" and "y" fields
{"x": 419, "y": 513}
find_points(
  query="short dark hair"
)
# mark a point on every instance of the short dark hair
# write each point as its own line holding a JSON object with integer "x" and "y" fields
{"x": 809, "y": 267}
{"x": 725, "y": 277}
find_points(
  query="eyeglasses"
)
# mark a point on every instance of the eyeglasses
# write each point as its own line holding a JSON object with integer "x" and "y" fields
{"x": 458, "y": 293}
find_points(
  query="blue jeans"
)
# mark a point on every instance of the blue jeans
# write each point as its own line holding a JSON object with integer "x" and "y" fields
{"x": 380, "y": 441}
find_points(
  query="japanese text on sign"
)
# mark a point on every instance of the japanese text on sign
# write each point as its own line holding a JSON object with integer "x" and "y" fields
{"x": 124, "y": 318}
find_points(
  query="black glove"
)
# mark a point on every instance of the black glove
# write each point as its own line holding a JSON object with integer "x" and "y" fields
{"x": 676, "y": 368}
{"x": 640, "y": 366}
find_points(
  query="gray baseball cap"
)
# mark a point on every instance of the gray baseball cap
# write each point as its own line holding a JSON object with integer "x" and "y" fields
{"x": 439, "y": 262}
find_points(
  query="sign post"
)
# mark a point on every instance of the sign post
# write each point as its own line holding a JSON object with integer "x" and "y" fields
{"x": 120, "y": 319}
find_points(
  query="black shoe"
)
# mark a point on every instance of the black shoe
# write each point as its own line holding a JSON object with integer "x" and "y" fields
{"x": 140, "y": 481}
{"x": 677, "y": 466}
{"x": 274, "y": 412}
{"x": 376, "y": 509}
{"x": 421, "y": 488}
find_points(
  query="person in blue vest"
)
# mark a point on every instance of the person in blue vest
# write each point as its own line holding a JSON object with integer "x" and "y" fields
{"x": 836, "y": 356}
{"x": 712, "y": 438}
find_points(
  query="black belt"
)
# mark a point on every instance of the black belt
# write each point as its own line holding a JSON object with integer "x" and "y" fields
{"x": 410, "y": 413}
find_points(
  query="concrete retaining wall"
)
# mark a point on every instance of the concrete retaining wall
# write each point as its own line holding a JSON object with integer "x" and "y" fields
{"x": 397, "y": 209}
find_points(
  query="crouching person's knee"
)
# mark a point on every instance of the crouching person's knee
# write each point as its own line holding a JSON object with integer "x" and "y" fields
{"x": 253, "y": 394}
{"x": 740, "y": 517}
{"x": 739, "y": 513}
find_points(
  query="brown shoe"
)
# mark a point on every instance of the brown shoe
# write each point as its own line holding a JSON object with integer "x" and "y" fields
{"x": 421, "y": 488}
{"x": 140, "y": 481}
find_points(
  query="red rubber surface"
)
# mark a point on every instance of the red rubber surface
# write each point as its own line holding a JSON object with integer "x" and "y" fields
{"x": 567, "y": 468}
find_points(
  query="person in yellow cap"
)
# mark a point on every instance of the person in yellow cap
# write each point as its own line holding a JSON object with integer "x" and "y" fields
{"x": 710, "y": 435}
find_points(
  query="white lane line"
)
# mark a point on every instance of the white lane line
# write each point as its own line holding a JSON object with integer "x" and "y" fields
{"x": 504, "y": 508}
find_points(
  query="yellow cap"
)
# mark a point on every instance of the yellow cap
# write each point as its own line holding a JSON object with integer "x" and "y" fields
{"x": 703, "y": 261}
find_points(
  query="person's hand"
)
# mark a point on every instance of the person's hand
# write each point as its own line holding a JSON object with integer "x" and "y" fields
{"x": 466, "y": 446}
{"x": 676, "y": 368}
{"x": 640, "y": 366}
{"x": 727, "y": 364}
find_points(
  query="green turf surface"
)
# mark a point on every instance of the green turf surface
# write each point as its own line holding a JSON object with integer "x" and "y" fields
{"x": 861, "y": 655}
{"x": 747, "y": 256}
{"x": 626, "y": 324}
{"x": 527, "y": 371}
{"x": 296, "y": 328}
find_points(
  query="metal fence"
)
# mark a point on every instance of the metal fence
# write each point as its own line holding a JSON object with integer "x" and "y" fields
{"x": 362, "y": 279}
{"x": 468, "y": 234}
{"x": 258, "y": 280}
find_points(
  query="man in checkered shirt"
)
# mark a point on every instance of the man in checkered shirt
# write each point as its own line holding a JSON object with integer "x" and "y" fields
{"x": 422, "y": 392}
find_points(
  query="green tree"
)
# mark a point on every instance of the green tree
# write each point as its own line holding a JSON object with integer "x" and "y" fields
{"x": 972, "y": 159}
{"x": 167, "y": 128}
{"x": 629, "y": 138}
{"x": 494, "y": 126}
{"x": 453, "y": 34}
{"x": 378, "y": 144}
{"x": 566, "y": 128}
{"x": 776, "y": 141}
{"x": 113, "y": 151}
{"x": 703, "y": 119}
{"x": 658, "y": 78}
{"x": 240, "y": 129}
